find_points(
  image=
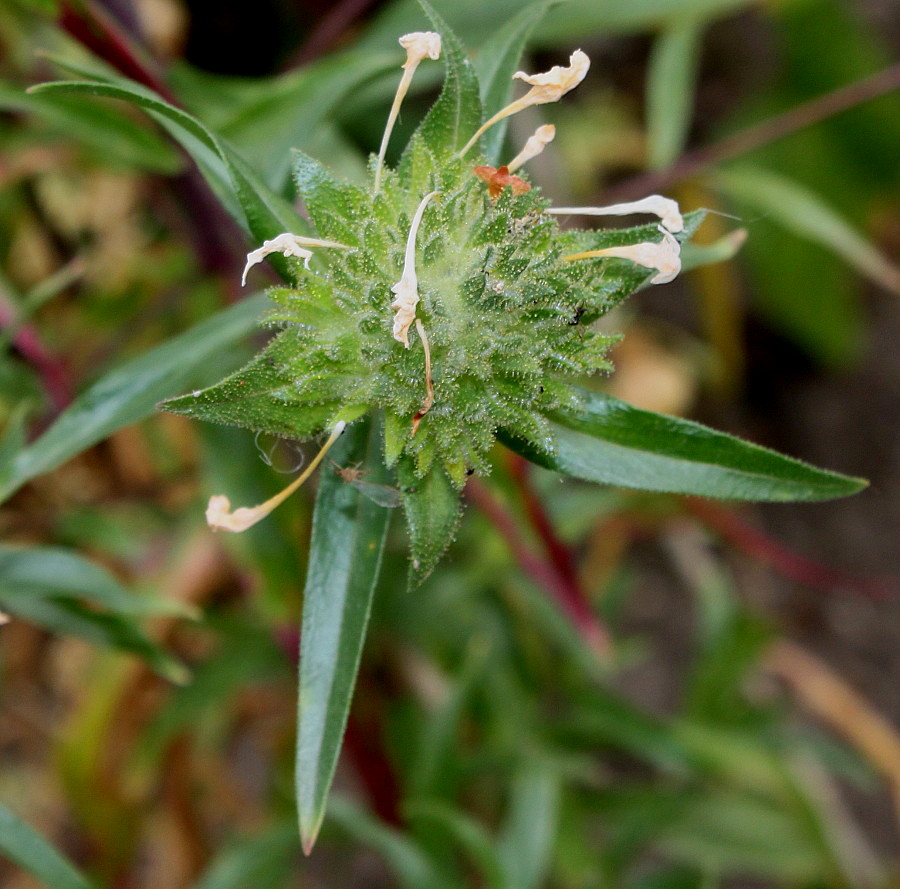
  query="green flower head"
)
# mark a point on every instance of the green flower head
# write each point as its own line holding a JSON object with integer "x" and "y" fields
{"x": 440, "y": 297}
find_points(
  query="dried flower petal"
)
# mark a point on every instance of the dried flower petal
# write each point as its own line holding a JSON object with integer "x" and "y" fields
{"x": 498, "y": 178}
{"x": 535, "y": 145}
{"x": 550, "y": 86}
{"x": 664, "y": 256}
{"x": 219, "y": 516}
{"x": 407, "y": 288}
{"x": 420, "y": 45}
{"x": 665, "y": 208}
{"x": 287, "y": 245}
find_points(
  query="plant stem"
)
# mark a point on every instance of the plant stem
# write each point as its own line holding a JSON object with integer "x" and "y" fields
{"x": 814, "y": 111}
{"x": 569, "y": 597}
{"x": 785, "y": 561}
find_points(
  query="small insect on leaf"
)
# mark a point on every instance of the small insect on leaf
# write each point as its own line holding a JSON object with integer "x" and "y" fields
{"x": 383, "y": 495}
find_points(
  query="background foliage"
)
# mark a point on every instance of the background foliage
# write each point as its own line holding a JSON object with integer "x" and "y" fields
{"x": 599, "y": 688}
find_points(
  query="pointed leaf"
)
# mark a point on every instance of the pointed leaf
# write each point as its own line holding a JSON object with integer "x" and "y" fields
{"x": 456, "y": 114}
{"x": 671, "y": 84}
{"x": 67, "y": 617}
{"x": 262, "y": 396}
{"x": 266, "y": 214}
{"x": 498, "y": 59}
{"x": 617, "y": 444}
{"x": 130, "y": 393}
{"x": 808, "y": 216}
{"x": 433, "y": 509}
{"x": 54, "y": 572}
{"x": 348, "y": 537}
{"x": 22, "y": 844}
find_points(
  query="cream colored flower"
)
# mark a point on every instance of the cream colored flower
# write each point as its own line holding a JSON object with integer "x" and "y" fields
{"x": 535, "y": 145}
{"x": 664, "y": 256}
{"x": 550, "y": 86}
{"x": 555, "y": 83}
{"x": 665, "y": 208}
{"x": 287, "y": 245}
{"x": 407, "y": 288}
{"x": 418, "y": 45}
{"x": 219, "y": 516}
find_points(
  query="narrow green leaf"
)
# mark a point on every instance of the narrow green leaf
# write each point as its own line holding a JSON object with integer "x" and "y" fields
{"x": 808, "y": 216}
{"x": 104, "y": 629}
{"x": 261, "y": 862}
{"x": 497, "y": 61}
{"x": 262, "y": 396}
{"x": 290, "y": 109}
{"x": 348, "y": 537}
{"x": 410, "y": 865}
{"x": 130, "y": 392}
{"x": 526, "y": 843}
{"x": 99, "y": 128}
{"x": 49, "y": 571}
{"x": 265, "y": 213}
{"x": 432, "y": 507}
{"x": 27, "y": 848}
{"x": 465, "y": 832}
{"x": 456, "y": 114}
{"x": 671, "y": 83}
{"x": 617, "y": 444}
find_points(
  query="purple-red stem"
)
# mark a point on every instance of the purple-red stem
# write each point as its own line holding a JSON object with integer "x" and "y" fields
{"x": 53, "y": 374}
{"x": 785, "y": 561}
{"x": 570, "y": 598}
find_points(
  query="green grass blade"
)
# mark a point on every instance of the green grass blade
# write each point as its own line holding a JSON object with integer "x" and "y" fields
{"x": 671, "y": 84}
{"x": 265, "y": 213}
{"x": 498, "y": 59}
{"x": 262, "y": 862}
{"x": 808, "y": 216}
{"x": 27, "y": 848}
{"x": 348, "y": 537}
{"x": 617, "y": 444}
{"x": 130, "y": 393}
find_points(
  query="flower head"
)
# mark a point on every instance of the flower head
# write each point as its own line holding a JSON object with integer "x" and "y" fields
{"x": 498, "y": 178}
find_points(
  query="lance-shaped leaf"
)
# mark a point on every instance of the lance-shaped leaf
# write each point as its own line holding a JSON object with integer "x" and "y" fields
{"x": 130, "y": 393}
{"x": 498, "y": 59}
{"x": 456, "y": 114}
{"x": 432, "y": 507}
{"x": 263, "y": 396}
{"x": 264, "y": 212}
{"x": 22, "y": 844}
{"x": 612, "y": 442}
{"x": 348, "y": 537}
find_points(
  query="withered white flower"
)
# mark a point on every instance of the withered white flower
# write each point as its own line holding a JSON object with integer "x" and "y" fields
{"x": 550, "y": 86}
{"x": 418, "y": 45}
{"x": 535, "y": 145}
{"x": 287, "y": 244}
{"x": 407, "y": 288}
{"x": 665, "y": 208}
{"x": 664, "y": 256}
{"x": 219, "y": 516}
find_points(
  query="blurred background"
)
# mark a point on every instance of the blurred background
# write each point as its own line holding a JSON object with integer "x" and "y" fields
{"x": 744, "y": 733}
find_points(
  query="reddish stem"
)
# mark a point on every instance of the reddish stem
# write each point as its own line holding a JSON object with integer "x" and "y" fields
{"x": 52, "y": 372}
{"x": 785, "y": 561}
{"x": 104, "y": 36}
{"x": 569, "y": 597}
{"x": 559, "y": 554}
